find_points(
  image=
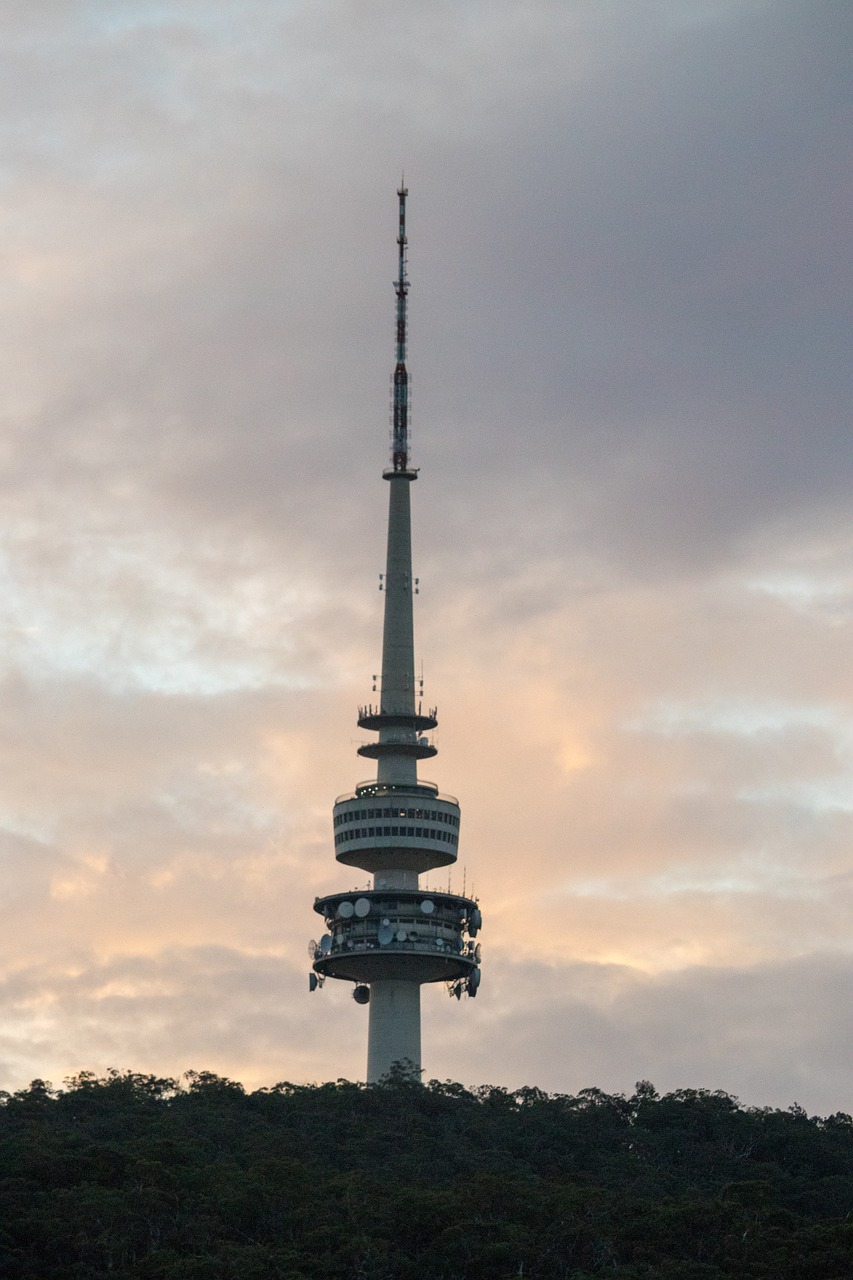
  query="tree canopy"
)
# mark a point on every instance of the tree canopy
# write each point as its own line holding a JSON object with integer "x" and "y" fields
{"x": 154, "y": 1179}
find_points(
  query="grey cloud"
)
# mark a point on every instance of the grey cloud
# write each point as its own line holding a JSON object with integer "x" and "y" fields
{"x": 671, "y": 243}
{"x": 626, "y": 315}
{"x": 205, "y": 1007}
{"x": 770, "y": 1034}
{"x": 640, "y": 261}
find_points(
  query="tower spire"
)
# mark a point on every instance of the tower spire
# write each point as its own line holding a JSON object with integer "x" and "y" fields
{"x": 395, "y": 936}
{"x": 400, "y": 405}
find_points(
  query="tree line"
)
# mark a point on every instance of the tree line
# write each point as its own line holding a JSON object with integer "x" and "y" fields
{"x": 146, "y": 1178}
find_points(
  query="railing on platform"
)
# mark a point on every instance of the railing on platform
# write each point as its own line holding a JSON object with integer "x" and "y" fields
{"x": 373, "y": 788}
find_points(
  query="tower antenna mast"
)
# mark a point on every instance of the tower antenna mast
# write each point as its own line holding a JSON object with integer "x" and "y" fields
{"x": 400, "y": 404}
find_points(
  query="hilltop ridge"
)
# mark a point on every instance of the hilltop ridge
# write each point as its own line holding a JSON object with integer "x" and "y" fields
{"x": 143, "y": 1177}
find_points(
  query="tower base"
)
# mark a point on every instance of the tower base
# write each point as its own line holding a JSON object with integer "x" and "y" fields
{"x": 394, "y": 1031}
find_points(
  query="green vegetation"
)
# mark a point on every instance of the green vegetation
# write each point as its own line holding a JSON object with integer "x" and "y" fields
{"x": 136, "y": 1177}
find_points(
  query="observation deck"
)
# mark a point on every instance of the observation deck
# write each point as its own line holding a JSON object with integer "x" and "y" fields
{"x": 385, "y": 827}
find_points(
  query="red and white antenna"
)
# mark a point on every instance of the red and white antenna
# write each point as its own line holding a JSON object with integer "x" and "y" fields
{"x": 400, "y": 402}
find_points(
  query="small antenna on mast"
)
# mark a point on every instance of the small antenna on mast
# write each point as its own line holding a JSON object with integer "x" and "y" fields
{"x": 400, "y": 411}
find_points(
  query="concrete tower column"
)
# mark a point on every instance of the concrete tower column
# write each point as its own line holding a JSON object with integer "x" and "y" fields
{"x": 398, "y": 639}
{"x": 394, "y": 1027}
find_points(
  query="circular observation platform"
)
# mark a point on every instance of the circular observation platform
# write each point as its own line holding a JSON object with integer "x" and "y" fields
{"x": 370, "y": 717}
{"x": 391, "y": 828}
{"x": 416, "y": 936}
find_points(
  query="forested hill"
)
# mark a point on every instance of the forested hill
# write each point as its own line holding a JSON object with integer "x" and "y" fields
{"x": 136, "y": 1177}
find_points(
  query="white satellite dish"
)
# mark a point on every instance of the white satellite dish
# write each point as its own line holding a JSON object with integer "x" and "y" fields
{"x": 385, "y": 934}
{"x": 439, "y": 942}
{"x": 345, "y": 910}
{"x": 478, "y": 951}
{"x": 312, "y": 948}
{"x": 326, "y": 943}
{"x": 401, "y": 935}
{"x": 362, "y": 907}
{"x": 427, "y": 906}
{"x": 475, "y": 921}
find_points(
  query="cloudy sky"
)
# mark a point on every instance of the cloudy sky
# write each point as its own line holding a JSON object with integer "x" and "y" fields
{"x": 629, "y": 353}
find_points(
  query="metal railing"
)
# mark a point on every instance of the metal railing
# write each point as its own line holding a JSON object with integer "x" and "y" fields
{"x": 389, "y": 789}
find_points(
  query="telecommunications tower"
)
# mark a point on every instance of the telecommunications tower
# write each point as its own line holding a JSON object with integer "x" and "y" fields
{"x": 391, "y": 938}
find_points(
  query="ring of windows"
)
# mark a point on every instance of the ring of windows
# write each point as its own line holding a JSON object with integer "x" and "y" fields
{"x": 417, "y": 833}
{"x": 427, "y": 815}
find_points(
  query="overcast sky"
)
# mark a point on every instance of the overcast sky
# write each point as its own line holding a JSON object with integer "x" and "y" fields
{"x": 629, "y": 348}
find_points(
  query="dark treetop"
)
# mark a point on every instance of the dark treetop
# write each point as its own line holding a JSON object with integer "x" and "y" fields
{"x": 133, "y": 1176}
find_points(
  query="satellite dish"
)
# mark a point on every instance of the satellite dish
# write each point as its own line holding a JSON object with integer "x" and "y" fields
{"x": 401, "y": 935}
{"x": 475, "y": 921}
{"x": 312, "y": 948}
{"x": 345, "y": 910}
{"x": 361, "y": 994}
{"x": 326, "y": 943}
{"x": 362, "y": 907}
{"x": 312, "y": 982}
{"x": 473, "y": 981}
{"x": 478, "y": 951}
{"x": 385, "y": 920}
{"x": 439, "y": 942}
{"x": 427, "y": 906}
{"x": 385, "y": 935}
{"x": 457, "y": 991}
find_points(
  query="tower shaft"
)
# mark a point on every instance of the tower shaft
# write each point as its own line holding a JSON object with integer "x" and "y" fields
{"x": 397, "y": 704}
{"x": 394, "y": 1027}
